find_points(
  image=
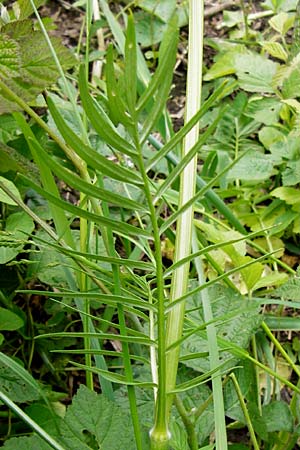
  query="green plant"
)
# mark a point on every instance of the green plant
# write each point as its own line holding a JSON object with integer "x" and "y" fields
{"x": 178, "y": 328}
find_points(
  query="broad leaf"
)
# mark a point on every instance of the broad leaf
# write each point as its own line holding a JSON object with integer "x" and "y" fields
{"x": 253, "y": 167}
{"x": 26, "y": 443}
{"x": 16, "y": 382}
{"x": 19, "y": 225}
{"x": 236, "y": 330}
{"x": 9, "y": 320}
{"x": 4, "y": 198}
{"x": 92, "y": 416}
{"x": 27, "y": 66}
{"x": 255, "y": 72}
{"x": 24, "y": 8}
{"x": 278, "y": 417}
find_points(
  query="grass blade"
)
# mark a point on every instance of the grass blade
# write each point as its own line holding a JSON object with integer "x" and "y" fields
{"x": 89, "y": 155}
{"x": 100, "y": 121}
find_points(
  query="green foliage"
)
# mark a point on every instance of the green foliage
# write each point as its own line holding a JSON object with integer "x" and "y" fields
{"x": 27, "y": 65}
{"x": 88, "y": 204}
{"x": 92, "y": 421}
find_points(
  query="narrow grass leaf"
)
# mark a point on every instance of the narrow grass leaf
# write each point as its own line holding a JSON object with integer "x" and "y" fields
{"x": 142, "y": 69}
{"x": 116, "y": 104}
{"x": 201, "y": 193}
{"x": 197, "y": 380}
{"x": 185, "y": 160}
{"x": 89, "y": 155}
{"x": 115, "y": 377}
{"x": 210, "y": 248}
{"x": 164, "y": 65}
{"x": 170, "y": 47}
{"x": 32, "y": 424}
{"x": 100, "y": 121}
{"x": 93, "y": 351}
{"x": 48, "y": 182}
{"x": 178, "y": 137}
{"x": 142, "y": 265}
{"x": 104, "y": 298}
{"x": 78, "y": 183}
{"x": 100, "y": 336}
{"x": 114, "y": 225}
{"x": 131, "y": 65}
{"x": 219, "y": 278}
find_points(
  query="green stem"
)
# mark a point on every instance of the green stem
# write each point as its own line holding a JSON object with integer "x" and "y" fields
{"x": 123, "y": 331}
{"x": 188, "y": 423}
{"x": 159, "y": 435}
{"x": 214, "y": 360}
{"x": 245, "y": 411}
{"x": 187, "y": 189}
{"x": 42, "y": 433}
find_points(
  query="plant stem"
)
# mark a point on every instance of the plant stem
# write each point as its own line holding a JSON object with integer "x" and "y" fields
{"x": 187, "y": 189}
{"x": 214, "y": 360}
{"x": 159, "y": 435}
{"x": 42, "y": 433}
{"x": 188, "y": 423}
{"x": 245, "y": 411}
{"x": 125, "y": 348}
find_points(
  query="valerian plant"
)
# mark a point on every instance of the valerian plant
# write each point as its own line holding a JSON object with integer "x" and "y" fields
{"x": 181, "y": 328}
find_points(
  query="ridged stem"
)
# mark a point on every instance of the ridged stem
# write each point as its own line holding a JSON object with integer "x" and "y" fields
{"x": 187, "y": 189}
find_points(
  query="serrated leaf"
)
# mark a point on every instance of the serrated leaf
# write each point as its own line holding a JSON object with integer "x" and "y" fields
{"x": 36, "y": 67}
{"x": 275, "y": 49}
{"x": 264, "y": 110}
{"x": 288, "y": 194}
{"x": 224, "y": 65}
{"x": 96, "y": 415}
{"x": 290, "y": 290}
{"x": 291, "y": 175}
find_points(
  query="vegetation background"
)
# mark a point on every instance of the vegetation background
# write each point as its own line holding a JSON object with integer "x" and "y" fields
{"x": 149, "y": 281}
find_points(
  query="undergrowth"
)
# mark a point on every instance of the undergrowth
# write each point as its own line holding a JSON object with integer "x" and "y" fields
{"x": 149, "y": 285}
